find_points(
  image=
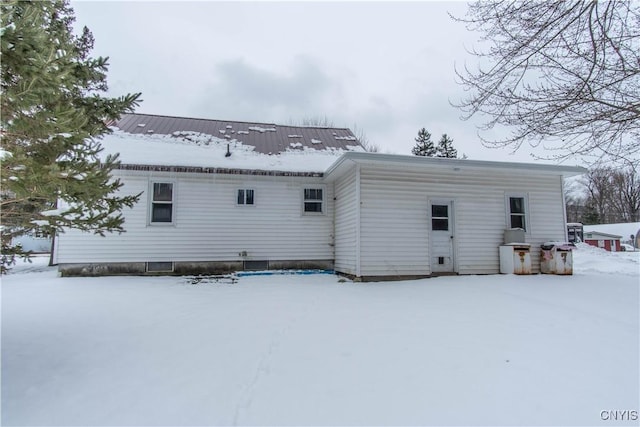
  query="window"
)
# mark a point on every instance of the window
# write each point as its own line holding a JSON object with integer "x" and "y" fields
{"x": 162, "y": 203}
{"x": 313, "y": 200}
{"x": 245, "y": 197}
{"x": 517, "y": 212}
{"x": 256, "y": 265}
{"x": 41, "y": 234}
{"x": 440, "y": 217}
{"x": 160, "y": 267}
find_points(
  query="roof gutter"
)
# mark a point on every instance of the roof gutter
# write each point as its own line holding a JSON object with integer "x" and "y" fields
{"x": 212, "y": 170}
{"x": 456, "y": 164}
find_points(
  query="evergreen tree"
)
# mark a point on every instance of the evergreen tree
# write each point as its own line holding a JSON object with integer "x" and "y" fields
{"x": 52, "y": 115}
{"x": 445, "y": 148}
{"x": 424, "y": 146}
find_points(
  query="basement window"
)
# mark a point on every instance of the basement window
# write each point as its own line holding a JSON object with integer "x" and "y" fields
{"x": 255, "y": 265}
{"x": 159, "y": 267}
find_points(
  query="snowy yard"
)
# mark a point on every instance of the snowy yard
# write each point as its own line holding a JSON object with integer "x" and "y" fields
{"x": 309, "y": 350}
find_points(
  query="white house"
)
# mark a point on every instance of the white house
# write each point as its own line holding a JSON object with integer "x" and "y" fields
{"x": 225, "y": 196}
{"x": 36, "y": 242}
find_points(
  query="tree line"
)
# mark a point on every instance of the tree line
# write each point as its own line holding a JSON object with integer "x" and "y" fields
{"x": 605, "y": 195}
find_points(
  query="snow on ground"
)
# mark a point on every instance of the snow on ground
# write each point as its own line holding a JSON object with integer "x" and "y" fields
{"x": 200, "y": 150}
{"x": 310, "y": 350}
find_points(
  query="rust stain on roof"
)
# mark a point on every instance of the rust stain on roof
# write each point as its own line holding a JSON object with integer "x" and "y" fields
{"x": 267, "y": 138}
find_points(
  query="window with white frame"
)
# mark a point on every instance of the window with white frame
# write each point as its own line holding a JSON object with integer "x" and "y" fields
{"x": 313, "y": 201}
{"x": 439, "y": 217}
{"x": 245, "y": 196}
{"x": 517, "y": 211}
{"x": 162, "y": 203}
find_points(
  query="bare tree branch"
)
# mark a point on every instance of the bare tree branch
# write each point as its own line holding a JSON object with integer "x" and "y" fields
{"x": 565, "y": 74}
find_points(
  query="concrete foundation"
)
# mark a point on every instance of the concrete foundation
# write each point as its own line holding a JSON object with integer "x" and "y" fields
{"x": 182, "y": 268}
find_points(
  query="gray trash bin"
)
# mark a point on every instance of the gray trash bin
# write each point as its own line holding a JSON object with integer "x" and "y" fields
{"x": 556, "y": 258}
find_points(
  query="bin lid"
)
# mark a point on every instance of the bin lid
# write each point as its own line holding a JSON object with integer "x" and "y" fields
{"x": 566, "y": 247}
{"x": 561, "y": 246}
{"x": 520, "y": 245}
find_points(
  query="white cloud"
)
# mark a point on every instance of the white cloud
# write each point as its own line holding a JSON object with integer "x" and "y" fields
{"x": 386, "y": 66}
{"x": 240, "y": 90}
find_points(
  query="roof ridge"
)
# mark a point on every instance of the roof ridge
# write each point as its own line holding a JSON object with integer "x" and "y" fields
{"x": 235, "y": 121}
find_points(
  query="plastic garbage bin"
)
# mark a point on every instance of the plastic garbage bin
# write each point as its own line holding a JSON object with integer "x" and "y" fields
{"x": 556, "y": 258}
{"x": 515, "y": 258}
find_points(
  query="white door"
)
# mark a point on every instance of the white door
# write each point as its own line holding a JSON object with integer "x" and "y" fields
{"x": 442, "y": 236}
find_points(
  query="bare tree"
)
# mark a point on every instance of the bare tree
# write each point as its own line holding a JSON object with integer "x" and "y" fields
{"x": 361, "y": 135}
{"x": 313, "y": 121}
{"x": 598, "y": 189}
{"x": 575, "y": 208}
{"x": 575, "y": 199}
{"x": 324, "y": 121}
{"x": 625, "y": 197}
{"x": 609, "y": 195}
{"x": 563, "y": 72}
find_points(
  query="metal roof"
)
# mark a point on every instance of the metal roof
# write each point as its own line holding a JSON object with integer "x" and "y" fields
{"x": 267, "y": 138}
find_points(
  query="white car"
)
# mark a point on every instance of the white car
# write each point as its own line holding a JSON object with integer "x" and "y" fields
{"x": 627, "y": 247}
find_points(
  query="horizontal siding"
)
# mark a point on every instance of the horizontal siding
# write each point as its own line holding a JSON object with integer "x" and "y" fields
{"x": 546, "y": 204}
{"x": 395, "y": 217}
{"x": 209, "y": 226}
{"x": 394, "y": 234}
{"x": 394, "y": 220}
{"x": 346, "y": 224}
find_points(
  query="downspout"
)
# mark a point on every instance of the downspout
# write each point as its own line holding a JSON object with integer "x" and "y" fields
{"x": 358, "y": 223}
{"x": 333, "y": 226}
{"x": 564, "y": 209}
{"x": 52, "y": 255}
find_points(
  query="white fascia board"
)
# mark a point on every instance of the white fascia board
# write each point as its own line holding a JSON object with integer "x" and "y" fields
{"x": 598, "y": 233}
{"x": 453, "y": 164}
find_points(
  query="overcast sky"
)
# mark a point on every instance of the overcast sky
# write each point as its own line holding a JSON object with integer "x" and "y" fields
{"x": 386, "y": 67}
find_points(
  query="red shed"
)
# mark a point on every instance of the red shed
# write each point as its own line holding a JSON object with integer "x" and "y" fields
{"x": 609, "y": 242}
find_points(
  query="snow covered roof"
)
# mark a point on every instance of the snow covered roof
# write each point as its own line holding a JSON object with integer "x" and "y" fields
{"x": 147, "y": 142}
{"x": 588, "y": 235}
{"x": 265, "y": 138}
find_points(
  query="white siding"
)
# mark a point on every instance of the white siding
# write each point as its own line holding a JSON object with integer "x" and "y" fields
{"x": 346, "y": 224}
{"x": 209, "y": 226}
{"x": 395, "y": 226}
{"x": 394, "y": 234}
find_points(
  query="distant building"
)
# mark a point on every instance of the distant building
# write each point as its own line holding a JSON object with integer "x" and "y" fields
{"x": 609, "y": 242}
{"x": 36, "y": 242}
{"x": 629, "y": 232}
